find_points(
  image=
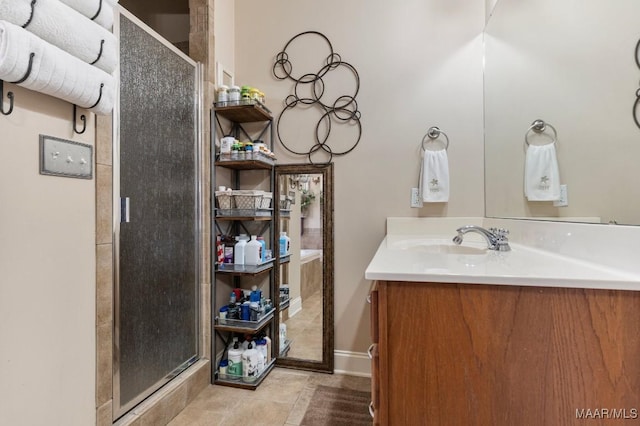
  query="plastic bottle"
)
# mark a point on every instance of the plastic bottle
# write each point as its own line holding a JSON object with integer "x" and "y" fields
{"x": 255, "y": 311}
{"x": 224, "y": 364}
{"x": 245, "y": 313}
{"x": 268, "y": 340}
{"x": 263, "y": 251}
{"x": 261, "y": 347}
{"x": 228, "y": 248}
{"x": 252, "y": 252}
{"x": 250, "y": 364}
{"x": 234, "y": 370}
{"x": 239, "y": 251}
{"x": 284, "y": 244}
{"x": 283, "y": 336}
{"x": 247, "y": 339}
{"x": 262, "y": 359}
{"x": 223, "y": 313}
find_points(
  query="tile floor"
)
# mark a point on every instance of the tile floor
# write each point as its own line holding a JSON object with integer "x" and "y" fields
{"x": 281, "y": 399}
{"x": 305, "y": 330}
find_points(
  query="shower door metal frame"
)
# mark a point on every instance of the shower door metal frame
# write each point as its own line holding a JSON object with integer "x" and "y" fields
{"x": 118, "y": 410}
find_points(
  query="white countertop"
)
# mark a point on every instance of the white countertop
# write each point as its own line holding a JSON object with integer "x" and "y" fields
{"x": 432, "y": 257}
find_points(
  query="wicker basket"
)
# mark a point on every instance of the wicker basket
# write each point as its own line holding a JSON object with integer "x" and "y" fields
{"x": 267, "y": 197}
{"x": 224, "y": 199}
{"x": 285, "y": 202}
{"x": 247, "y": 199}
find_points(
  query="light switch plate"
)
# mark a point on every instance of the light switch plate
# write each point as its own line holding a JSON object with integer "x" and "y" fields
{"x": 415, "y": 198}
{"x": 564, "y": 198}
{"x": 61, "y": 157}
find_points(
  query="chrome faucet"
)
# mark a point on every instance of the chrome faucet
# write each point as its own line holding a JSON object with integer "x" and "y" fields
{"x": 496, "y": 237}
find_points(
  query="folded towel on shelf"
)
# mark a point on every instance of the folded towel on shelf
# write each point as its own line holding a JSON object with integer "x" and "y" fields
{"x": 53, "y": 71}
{"x": 434, "y": 176}
{"x": 90, "y": 8}
{"x": 541, "y": 173}
{"x": 65, "y": 28}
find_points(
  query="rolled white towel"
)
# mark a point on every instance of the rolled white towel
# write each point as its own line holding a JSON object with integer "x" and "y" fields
{"x": 53, "y": 71}
{"x": 62, "y": 26}
{"x": 99, "y": 11}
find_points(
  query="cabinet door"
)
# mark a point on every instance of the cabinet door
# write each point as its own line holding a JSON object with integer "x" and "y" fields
{"x": 373, "y": 301}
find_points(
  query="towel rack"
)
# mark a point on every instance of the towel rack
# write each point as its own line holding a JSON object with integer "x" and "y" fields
{"x": 539, "y": 126}
{"x": 10, "y": 94}
{"x": 434, "y": 133}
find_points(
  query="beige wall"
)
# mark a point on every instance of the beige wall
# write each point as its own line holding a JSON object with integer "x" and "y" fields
{"x": 47, "y": 273}
{"x": 420, "y": 65}
{"x": 223, "y": 30}
{"x": 579, "y": 75}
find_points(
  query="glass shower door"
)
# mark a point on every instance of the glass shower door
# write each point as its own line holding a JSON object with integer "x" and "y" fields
{"x": 156, "y": 318}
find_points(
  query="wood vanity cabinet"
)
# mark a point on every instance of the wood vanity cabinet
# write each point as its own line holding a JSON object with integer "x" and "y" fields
{"x": 464, "y": 354}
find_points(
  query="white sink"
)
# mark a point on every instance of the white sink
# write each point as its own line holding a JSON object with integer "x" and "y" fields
{"x": 438, "y": 246}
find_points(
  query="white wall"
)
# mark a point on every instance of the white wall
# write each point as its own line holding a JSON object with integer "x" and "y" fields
{"x": 47, "y": 273}
{"x": 420, "y": 65}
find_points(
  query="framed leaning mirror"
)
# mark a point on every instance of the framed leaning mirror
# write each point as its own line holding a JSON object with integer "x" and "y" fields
{"x": 304, "y": 224}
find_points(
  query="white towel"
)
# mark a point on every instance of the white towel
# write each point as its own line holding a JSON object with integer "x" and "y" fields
{"x": 541, "y": 173}
{"x": 434, "y": 176}
{"x": 62, "y": 26}
{"x": 89, "y": 8}
{"x": 54, "y": 72}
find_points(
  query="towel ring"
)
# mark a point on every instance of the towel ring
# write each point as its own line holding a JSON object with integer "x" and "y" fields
{"x": 539, "y": 126}
{"x": 434, "y": 133}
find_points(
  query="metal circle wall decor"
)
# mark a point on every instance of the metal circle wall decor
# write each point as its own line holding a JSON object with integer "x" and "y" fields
{"x": 339, "y": 111}
{"x": 637, "y": 102}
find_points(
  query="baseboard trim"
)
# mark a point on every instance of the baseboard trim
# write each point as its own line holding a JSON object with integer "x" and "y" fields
{"x": 295, "y": 306}
{"x": 351, "y": 363}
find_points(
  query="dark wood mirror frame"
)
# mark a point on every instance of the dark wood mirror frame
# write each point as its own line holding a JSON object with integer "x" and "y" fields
{"x": 326, "y": 170}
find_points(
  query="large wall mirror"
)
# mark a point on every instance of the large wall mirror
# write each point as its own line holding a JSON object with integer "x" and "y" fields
{"x": 571, "y": 63}
{"x": 305, "y": 224}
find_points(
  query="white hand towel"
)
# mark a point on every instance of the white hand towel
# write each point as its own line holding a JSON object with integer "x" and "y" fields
{"x": 62, "y": 26}
{"x": 434, "y": 176}
{"x": 89, "y": 8}
{"x": 53, "y": 72}
{"x": 541, "y": 173}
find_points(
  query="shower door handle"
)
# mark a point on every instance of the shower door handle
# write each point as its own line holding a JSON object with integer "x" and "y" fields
{"x": 124, "y": 210}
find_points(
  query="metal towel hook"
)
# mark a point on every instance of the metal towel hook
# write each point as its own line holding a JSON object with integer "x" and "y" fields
{"x": 98, "y": 12}
{"x": 10, "y": 94}
{"x": 99, "y": 53}
{"x": 83, "y": 118}
{"x": 434, "y": 133}
{"x": 33, "y": 8}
